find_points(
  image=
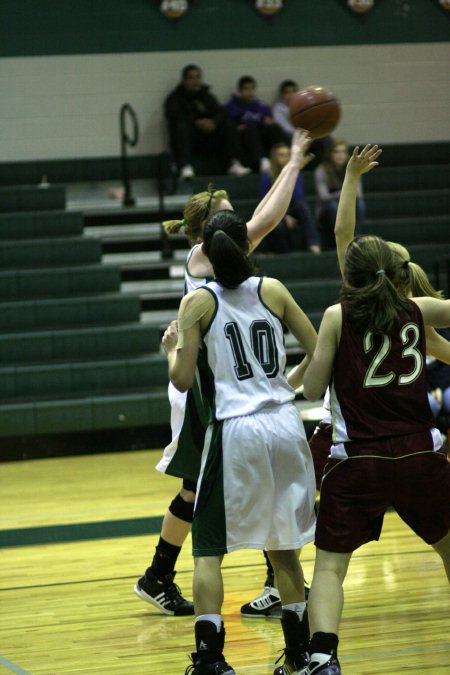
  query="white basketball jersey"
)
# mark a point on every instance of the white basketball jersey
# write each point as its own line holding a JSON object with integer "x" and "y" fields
{"x": 245, "y": 351}
{"x": 191, "y": 282}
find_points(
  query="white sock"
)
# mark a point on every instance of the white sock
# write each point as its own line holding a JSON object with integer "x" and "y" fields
{"x": 298, "y": 607}
{"x": 216, "y": 619}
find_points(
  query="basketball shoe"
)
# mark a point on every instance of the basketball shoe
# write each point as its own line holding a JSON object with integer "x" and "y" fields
{"x": 209, "y": 658}
{"x": 163, "y": 594}
{"x": 267, "y": 605}
{"x": 323, "y": 664}
{"x": 204, "y": 668}
{"x": 296, "y": 637}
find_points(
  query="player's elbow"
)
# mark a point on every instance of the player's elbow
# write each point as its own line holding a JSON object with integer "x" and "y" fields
{"x": 182, "y": 382}
{"x": 312, "y": 390}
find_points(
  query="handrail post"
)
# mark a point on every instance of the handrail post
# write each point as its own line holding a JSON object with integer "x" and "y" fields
{"x": 131, "y": 141}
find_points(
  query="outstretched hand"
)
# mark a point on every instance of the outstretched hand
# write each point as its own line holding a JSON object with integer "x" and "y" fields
{"x": 299, "y": 148}
{"x": 364, "y": 161}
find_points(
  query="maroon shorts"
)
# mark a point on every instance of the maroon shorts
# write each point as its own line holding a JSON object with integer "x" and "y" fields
{"x": 320, "y": 444}
{"x": 356, "y": 492}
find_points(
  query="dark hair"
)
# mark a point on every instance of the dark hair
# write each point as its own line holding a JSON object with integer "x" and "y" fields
{"x": 246, "y": 79}
{"x": 226, "y": 244}
{"x": 286, "y": 83}
{"x": 371, "y": 282}
{"x": 187, "y": 68}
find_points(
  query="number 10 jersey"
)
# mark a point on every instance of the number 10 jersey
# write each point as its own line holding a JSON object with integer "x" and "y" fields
{"x": 245, "y": 351}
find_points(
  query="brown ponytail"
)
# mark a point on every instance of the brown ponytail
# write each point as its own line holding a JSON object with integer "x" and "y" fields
{"x": 372, "y": 277}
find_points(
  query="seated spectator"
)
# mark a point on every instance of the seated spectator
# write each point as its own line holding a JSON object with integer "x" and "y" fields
{"x": 281, "y": 117}
{"x": 438, "y": 384}
{"x": 297, "y": 231}
{"x": 258, "y": 132}
{"x": 329, "y": 176}
{"x": 197, "y": 124}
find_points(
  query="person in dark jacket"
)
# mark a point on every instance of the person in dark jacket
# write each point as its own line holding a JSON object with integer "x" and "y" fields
{"x": 197, "y": 124}
{"x": 257, "y": 130}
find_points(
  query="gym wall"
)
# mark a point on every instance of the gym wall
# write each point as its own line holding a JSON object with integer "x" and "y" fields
{"x": 67, "y": 67}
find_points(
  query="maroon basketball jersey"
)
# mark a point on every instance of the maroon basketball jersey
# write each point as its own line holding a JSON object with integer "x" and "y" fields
{"x": 379, "y": 388}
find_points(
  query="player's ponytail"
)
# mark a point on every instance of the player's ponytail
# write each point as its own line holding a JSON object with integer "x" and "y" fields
{"x": 372, "y": 277}
{"x": 226, "y": 244}
{"x": 196, "y": 211}
{"x": 414, "y": 281}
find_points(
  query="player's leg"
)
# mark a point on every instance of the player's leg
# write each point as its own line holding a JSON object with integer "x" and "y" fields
{"x": 209, "y": 628}
{"x": 294, "y": 617}
{"x": 443, "y": 548}
{"x": 325, "y": 604}
{"x": 157, "y": 585}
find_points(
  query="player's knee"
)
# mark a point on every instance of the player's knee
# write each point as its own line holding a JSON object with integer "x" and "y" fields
{"x": 182, "y": 509}
{"x": 188, "y": 491}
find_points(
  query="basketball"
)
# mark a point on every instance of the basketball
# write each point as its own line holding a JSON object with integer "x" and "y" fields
{"x": 315, "y": 109}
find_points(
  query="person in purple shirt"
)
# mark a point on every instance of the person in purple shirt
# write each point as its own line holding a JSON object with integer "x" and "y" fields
{"x": 257, "y": 130}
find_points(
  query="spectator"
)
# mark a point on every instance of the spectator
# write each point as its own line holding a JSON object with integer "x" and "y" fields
{"x": 197, "y": 124}
{"x": 438, "y": 384}
{"x": 329, "y": 176}
{"x": 297, "y": 230}
{"x": 257, "y": 129}
{"x": 282, "y": 118}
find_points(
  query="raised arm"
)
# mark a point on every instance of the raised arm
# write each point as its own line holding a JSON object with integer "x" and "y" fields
{"x": 344, "y": 229}
{"x": 437, "y": 345}
{"x": 318, "y": 373}
{"x": 274, "y": 205}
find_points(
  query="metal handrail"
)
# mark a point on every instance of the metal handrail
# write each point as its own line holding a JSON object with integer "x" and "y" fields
{"x": 127, "y": 140}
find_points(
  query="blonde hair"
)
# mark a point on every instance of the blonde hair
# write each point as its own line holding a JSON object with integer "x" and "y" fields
{"x": 196, "y": 211}
{"x": 414, "y": 281}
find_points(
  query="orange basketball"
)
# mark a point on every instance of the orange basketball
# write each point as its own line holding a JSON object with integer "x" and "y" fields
{"x": 315, "y": 109}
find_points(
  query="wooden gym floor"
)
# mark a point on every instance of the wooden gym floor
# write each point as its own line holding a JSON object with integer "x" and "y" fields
{"x": 77, "y": 532}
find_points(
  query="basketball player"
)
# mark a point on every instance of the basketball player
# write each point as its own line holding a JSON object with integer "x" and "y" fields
{"x": 256, "y": 486}
{"x": 413, "y": 283}
{"x": 385, "y": 449}
{"x": 182, "y": 456}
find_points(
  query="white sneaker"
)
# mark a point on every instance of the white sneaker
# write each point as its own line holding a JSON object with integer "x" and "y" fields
{"x": 264, "y": 164}
{"x": 187, "y": 172}
{"x": 236, "y": 169}
{"x": 266, "y": 605}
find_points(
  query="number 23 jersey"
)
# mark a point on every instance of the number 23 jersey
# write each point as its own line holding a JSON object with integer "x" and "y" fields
{"x": 379, "y": 388}
{"x": 245, "y": 352}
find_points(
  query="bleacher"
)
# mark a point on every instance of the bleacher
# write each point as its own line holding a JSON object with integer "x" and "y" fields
{"x": 85, "y": 295}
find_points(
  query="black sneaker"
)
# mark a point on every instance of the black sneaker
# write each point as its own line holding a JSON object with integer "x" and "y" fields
{"x": 200, "y": 667}
{"x": 163, "y": 594}
{"x": 323, "y": 664}
{"x": 296, "y": 666}
{"x": 267, "y": 605}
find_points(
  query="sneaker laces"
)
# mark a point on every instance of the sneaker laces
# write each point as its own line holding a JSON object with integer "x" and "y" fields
{"x": 264, "y": 600}
{"x": 173, "y": 592}
{"x": 190, "y": 667}
{"x": 283, "y": 654}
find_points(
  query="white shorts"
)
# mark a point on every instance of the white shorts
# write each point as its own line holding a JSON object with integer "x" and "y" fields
{"x": 257, "y": 487}
{"x": 177, "y": 400}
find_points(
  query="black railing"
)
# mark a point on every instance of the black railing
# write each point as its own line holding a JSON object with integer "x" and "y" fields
{"x": 127, "y": 140}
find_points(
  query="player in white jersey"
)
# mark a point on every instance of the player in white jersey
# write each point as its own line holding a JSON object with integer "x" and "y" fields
{"x": 256, "y": 487}
{"x": 189, "y": 413}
